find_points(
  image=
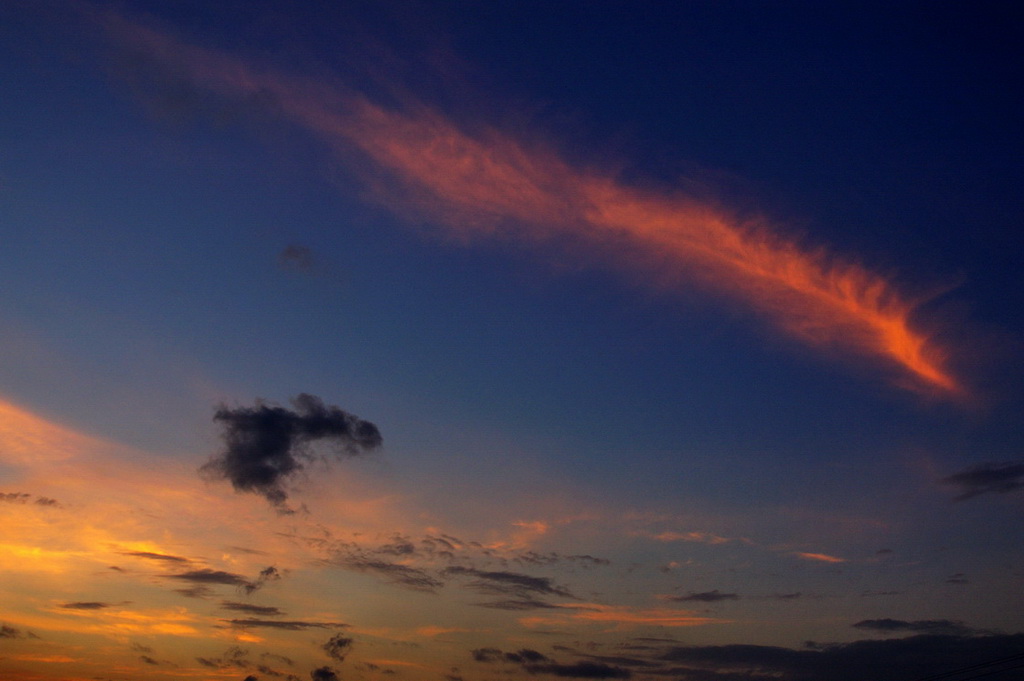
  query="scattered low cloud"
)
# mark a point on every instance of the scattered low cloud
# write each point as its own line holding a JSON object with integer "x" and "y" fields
{"x": 986, "y": 478}
{"x": 266, "y": 445}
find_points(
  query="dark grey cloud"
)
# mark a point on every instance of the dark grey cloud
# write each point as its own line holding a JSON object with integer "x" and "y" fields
{"x": 85, "y": 605}
{"x": 259, "y": 610}
{"x": 992, "y": 477}
{"x": 788, "y": 597}
{"x": 338, "y": 647}
{"x": 396, "y": 573}
{"x": 13, "y": 632}
{"x": 896, "y": 659}
{"x": 580, "y": 670}
{"x": 534, "y": 662}
{"x": 958, "y": 578}
{"x": 515, "y": 605}
{"x": 289, "y": 625}
{"x": 947, "y": 627}
{"x": 148, "y": 660}
{"x": 23, "y": 497}
{"x": 204, "y": 577}
{"x": 706, "y": 597}
{"x": 324, "y": 674}
{"x": 266, "y": 445}
{"x": 207, "y": 576}
{"x": 156, "y": 556}
{"x": 487, "y": 655}
{"x": 508, "y": 583}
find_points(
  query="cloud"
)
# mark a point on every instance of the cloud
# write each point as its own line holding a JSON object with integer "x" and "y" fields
{"x": 411, "y": 577}
{"x": 324, "y": 674}
{"x": 338, "y": 647}
{"x": 266, "y": 445}
{"x": 85, "y": 605}
{"x": 946, "y": 627}
{"x": 261, "y": 610}
{"x": 297, "y": 258}
{"x": 13, "y": 632}
{"x": 23, "y": 497}
{"x": 820, "y": 557}
{"x": 885, "y": 660}
{"x": 488, "y": 183}
{"x": 706, "y": 597}
{"x": 205, "y": 576}
{"x": 517, "y": 604}
{"x": 580, "y": 670}
{"x": 508, "y": 583}
{"x": 156, "y": 556}
{"x": 289, "y": 625}
{"x": 985, "y": 478}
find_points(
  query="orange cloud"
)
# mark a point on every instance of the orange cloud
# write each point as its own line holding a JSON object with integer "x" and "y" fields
{"x": 489, "y": 183}
{"x": 821, "y": 557}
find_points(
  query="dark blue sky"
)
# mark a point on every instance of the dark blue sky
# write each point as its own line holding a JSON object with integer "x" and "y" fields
{"x": 175, "y": 237}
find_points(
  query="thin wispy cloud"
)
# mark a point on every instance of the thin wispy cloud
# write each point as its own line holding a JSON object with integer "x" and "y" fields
{"x": 490, "y": 184}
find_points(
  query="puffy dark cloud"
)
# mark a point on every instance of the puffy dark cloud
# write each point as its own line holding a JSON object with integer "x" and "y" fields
{"x": 949, "y": 627}
{"x": 338, "y": 647}
{"x": 706, "y": 597}
{"x": 987, "y": 478}
{"x": 266, "y": 445}
{"x": 324, "y": 674}
{"x": 258, "y": 610}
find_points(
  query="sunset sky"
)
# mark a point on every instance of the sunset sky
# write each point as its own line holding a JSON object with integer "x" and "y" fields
{"x": 469, "y": 341}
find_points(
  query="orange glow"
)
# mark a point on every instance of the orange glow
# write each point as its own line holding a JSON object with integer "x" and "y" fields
{"x": 490, "y": 183}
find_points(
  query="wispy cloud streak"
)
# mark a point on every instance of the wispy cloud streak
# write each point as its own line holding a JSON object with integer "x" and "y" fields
{"x": 489, "y": 183}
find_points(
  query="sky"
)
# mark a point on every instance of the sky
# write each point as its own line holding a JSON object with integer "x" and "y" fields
{"x": 457, "y": 341}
